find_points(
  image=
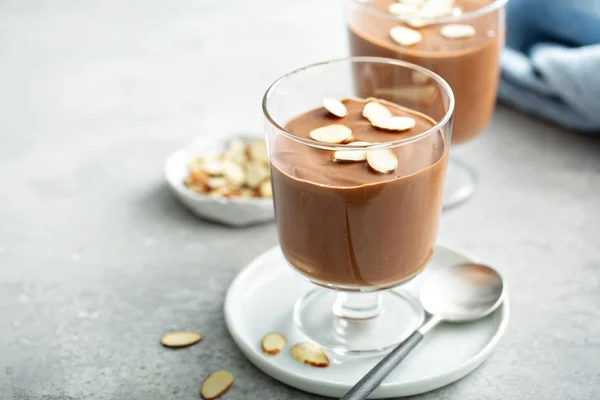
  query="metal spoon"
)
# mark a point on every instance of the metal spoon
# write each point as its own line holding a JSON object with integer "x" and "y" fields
{"x": 461, "y": 293}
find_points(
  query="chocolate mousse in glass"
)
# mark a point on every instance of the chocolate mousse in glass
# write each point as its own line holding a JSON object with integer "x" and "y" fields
{"x": 357, "y": 187}
{"x": 460, "y": 40}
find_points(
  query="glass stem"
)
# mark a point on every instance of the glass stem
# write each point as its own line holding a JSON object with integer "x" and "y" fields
{"x": 357, "y": 305}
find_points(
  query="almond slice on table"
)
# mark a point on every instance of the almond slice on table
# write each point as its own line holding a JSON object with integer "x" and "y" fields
{"x": 394, "y": 123}
{"x": 335, "y": 107}
{"x": 405, "y": 36}
{"x": 310, "y": 354}
{"x": 374, "y": 110}
{"x": 178, "y": 340}
{"x": 457, "y": 31}
{"x": 403, "y": 9}
{"x": 383, "y": 161}
{"x": 216, "y": 384}
{"x": 272, "y": 343}
{"x": 334, "y": 134}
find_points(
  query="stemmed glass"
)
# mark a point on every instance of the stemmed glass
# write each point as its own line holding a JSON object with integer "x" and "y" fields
{"x": 357, "y": 242}
{"x": 470, "y": 64}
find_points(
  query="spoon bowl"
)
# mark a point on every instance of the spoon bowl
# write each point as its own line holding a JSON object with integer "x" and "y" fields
{"x": 462, "y": 292}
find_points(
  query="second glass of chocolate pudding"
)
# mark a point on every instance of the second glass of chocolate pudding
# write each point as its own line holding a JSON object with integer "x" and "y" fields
{"x": 460, "y": 40}
{"x": 357, "y": 187}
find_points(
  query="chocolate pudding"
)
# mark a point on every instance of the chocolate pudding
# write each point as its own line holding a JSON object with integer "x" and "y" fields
{"x": 469, "y": 64}
{"x": 347, "y": 226}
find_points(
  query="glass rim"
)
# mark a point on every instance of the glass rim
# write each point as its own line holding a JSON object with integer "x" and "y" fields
{"x": 494, "y": 5}
{"x": 354, "y": 60}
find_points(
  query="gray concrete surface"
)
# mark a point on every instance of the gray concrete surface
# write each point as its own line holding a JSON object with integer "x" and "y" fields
{"x": 97, "y": 260}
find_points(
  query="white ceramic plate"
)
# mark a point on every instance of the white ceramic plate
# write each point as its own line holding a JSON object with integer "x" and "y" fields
{"x": 261, "y": 298}
{"x": 234, "y": 211}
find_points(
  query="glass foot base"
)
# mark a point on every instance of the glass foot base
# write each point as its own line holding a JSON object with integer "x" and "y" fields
{"x": 460, "y": 183}
{"x": 317, "y": 316}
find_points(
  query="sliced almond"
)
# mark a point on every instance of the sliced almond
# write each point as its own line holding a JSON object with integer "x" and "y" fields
{"x": 219, "y": 192}
{"x": 272, "y": 343}
{"x": 216, "y": 182}
{"x": 265, "y": 189}
{"x": 177, "y": 340}
{"x": 419, "y": 77}
{"x": 360, "y": 144}
{"x": 437, "y": 9}
{"x": 417, "y": 23}
{"x": 405, "y": 36}
{"x": 236, "y": 146}
{"x": 334, "y": 134}
{"x": 216, "y": 384}
{"x": 374, "y": 110}
{"x": 231, "y": 192}
{"x": 234, "y": 174}
{"x": 457, "y": 31}
{"x": 403, "y": 9}
{"x": 394, "y": 123}
{"x": 349, "y": 140}
{"x": 457, "y": 11}
{"x": 310, "y": 353}
{"x": 236, "y": 153}
{"x": 342, "y": 156}
{"x": 335, "y": 107}
{"x": 258, "y": 151}
{"x": 256, "y": 173}
{"x": 383, "y": 161}
{"x": 247, "y": 193}
{"x": 196, "y": 163}
{"x": 213, "y": 168}
{"x": 197, "y": 177}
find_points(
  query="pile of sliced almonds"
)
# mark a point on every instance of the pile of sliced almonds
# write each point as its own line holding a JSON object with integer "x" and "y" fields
{"x": 382, "y": 161}
{"x": 421, "y": 13}
{"x": 242, "y": 170}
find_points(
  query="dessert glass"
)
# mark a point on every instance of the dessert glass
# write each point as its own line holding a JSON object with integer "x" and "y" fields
{"x": 356, "y": 242}
{"x": 470, "y": 65}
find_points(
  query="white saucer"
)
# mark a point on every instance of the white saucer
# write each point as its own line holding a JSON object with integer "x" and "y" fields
{"x": 261, "y": 300}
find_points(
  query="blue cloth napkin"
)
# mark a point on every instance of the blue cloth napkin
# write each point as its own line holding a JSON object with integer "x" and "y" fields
{"x": 551, "y": 63}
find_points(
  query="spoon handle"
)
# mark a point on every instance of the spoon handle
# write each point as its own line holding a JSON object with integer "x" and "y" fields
{"x": 375, "y": 376}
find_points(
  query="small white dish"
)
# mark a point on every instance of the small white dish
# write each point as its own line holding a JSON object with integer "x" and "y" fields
{"x": 261, "y": 298}
{"x": 233, "y": 211}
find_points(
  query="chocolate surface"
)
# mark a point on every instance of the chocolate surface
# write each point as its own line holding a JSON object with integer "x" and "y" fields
{"x": 347, "y": 226}
{"x": 470, "y": 65}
